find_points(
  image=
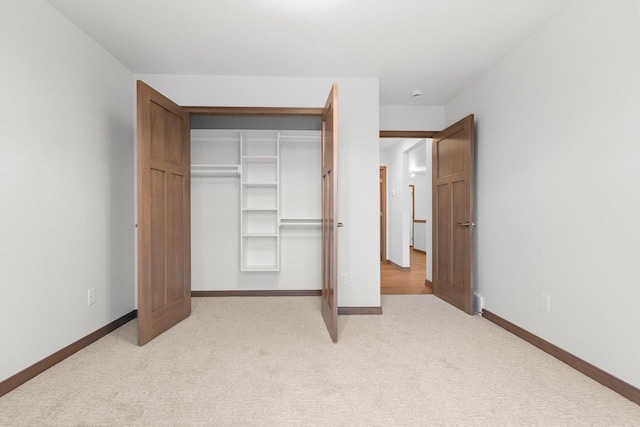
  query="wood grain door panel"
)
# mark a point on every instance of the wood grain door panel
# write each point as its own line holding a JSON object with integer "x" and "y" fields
{"x": 330, "y": 214}
{"x": 158, "y": 239}
{"x": 442, "y": 267}
{"x": 166, "y": 135}
{"x": 459, "y": 250}
{"x": 175, "y": 283}
{"x": 164, "y": 257}
{"x": 453, "y": 208}
{"x": 167, "y": 239}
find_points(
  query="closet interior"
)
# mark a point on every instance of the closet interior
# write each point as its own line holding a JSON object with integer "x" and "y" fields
{"x": 256, "y": 203}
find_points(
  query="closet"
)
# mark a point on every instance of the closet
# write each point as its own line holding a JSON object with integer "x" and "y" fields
{"x": 256, "y": 204}
{"x": 223, "y": 205}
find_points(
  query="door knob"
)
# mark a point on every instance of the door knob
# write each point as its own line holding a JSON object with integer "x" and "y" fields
{"x": 466, "y": 224}
{"x": 340, "y": 224}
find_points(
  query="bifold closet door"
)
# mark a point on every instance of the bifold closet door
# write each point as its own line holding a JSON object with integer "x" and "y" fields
{"x": 164, "y": 257}
{"x": 330, "y": 213}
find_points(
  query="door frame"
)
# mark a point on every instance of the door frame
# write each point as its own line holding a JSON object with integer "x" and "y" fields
{"x": 413, "y": 134}
{"x": 413, "y": 215}
{"x": 383, "y": 214}
{"x": 254, "y": 111}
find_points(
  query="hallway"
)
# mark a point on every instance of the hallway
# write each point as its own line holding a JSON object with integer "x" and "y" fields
{"x": 396, "y": 282}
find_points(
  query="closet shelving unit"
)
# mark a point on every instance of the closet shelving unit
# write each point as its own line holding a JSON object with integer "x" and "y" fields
{"x": 255, "y": 157}
{"x": 215, "y": 170}
{"x": 260, "y": 201}
{"x": 300, "y": 137}
{"x": 297, "y": 222}
{"x": 217, "y": 153}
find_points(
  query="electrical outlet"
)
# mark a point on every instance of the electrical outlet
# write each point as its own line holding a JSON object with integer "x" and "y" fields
{"x": 91, "y": 296}
{"x": 545, "y": 303}
{"x": 343, "y": 278}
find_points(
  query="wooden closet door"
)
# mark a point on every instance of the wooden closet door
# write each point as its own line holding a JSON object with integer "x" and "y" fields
{"x": 330, "y": 214}
{"x": 453, "y": 210}
{"x": 164, "y": 256}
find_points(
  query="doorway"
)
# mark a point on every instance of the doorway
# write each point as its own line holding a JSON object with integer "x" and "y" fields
{"x": 405, "y": 196}
{"x": 383, "y": 214}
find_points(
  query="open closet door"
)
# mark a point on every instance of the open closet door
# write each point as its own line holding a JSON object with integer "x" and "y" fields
{"x": 453, "y": 211}
{"x": 164, "y": 257}
{"x": 330, "y": 213}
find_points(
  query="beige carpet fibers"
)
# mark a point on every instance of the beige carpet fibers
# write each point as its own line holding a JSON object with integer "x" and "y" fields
{"x": 269, "y": 362}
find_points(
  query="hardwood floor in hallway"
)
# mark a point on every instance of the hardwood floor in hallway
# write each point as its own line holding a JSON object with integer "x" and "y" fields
{"x": 396, "y": 282}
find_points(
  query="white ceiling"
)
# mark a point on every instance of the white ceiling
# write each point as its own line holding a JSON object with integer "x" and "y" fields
{"x": 439, "y": 46}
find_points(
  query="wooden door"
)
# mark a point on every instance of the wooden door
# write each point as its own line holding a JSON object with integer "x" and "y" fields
{"x": 164, "y": 256}
{"x": 453, "y": 210}
{"x": 383, "y": 214}
{"x": 330, "y": 213}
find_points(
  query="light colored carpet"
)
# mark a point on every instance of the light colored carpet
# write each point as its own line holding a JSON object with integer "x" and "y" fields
{"x": 270, "y": 362}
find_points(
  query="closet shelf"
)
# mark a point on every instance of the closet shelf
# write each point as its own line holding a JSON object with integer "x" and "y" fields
{"x": 261, "y": 139}
{"x": 260, "y": 209}
{"x": 214, "y": 139}
{"x": 300, "y": 138}
{"x": 260, "y": 159}
{"x": 260, "y": 268}
{"x": 260, "y": 184}
{"x": 215, "y": 170}
{"x": 259, "y": 235}
{"x": 300, "y": 222}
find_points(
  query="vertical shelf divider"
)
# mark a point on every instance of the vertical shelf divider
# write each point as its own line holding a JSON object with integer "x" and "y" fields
{"x": 242, "y": 201}
{"x": 259, "y": 200}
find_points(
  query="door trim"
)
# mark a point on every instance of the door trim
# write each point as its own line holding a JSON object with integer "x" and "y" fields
{"x": 418, "y": 134}
{"x": 383, "y": 210}
{"x": 255, "y": 111}
{"x": 254, "y": 293}
{"x": 359, "y": 311}
{"x": 413, "y": 202}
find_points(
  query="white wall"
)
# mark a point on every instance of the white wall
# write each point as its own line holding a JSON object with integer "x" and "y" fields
{"x": 66, "y": 185}
{"x": 401, "y": 117}
{"x": 420, "y": 183}
{"x": 384, "y": 158}
{"x": 399, "y": 202}
{"x": 417, "y": 158}
{"x": 558, "y": 183}
{"x": 358, "y": 164}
